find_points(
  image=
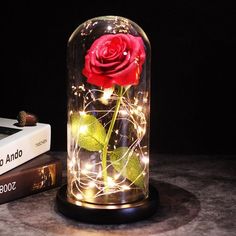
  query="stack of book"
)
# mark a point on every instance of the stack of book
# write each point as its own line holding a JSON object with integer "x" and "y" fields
{"x": 26, "y": 165}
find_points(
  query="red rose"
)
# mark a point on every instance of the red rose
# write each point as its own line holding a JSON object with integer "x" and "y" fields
{"x": 114, "y": 59}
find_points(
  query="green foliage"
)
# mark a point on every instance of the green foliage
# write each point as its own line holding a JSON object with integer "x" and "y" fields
{"x": 127, "y": 163}
{"x": 88, "y": 131}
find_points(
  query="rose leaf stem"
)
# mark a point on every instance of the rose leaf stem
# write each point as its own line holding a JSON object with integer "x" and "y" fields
{"x": 108, "y": 136}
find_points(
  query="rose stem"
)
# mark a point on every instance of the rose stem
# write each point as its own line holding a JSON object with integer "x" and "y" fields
{"x": 108, "y": 136}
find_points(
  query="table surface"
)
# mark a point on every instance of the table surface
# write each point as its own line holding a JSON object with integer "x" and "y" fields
{"x": 197, "y": 197}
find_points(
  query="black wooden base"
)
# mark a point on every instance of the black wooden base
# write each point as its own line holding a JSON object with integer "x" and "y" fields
{"x": 107, "y": 214}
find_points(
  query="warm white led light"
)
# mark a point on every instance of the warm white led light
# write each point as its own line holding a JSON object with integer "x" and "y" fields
{"x": 109, "y": 27}
{"x": 99, "y": 175}
{"x": 125, "y": 187}
{"x": 117, "y": 176}
{"x": 82, "y": 87}
{"x": 88, "y": 166}
{"x": 106, "y": 95}
{"x": 79, "y": 196}
{"x": 141, "y": 131}
{"x": 84, "y": 171}
{"x": 110, "y": 182}
{"x": 139, "y": 108}
{"x": 71, "y": 163}
{"x": 91, "y": 184}
{"x": 123, "y": 113}
{"x": 83, "y": 129}
{"x": 82, "y": 113}
{"x": 145, "y": 159}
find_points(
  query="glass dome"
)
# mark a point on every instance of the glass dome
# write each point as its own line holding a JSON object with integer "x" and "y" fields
{"x": 108, "y": 112}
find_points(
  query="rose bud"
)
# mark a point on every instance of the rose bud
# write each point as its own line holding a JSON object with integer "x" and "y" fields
{"x": 26, "y": 119}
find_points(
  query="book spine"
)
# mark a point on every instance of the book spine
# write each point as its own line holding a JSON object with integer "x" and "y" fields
{"x": 30, "y": 181}
{"x": 25, "y": 148}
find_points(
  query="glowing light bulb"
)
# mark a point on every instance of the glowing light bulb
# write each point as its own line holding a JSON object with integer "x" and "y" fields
{"x": 82, "y": 87}
{"x": 71, "y": 163}
{"x": 83, "y": 129}
{"x": 82, "y": 113}
{"x": 106, "y": 95}
{"x": 84, "y": 171}
{"x": 109, "y": 27}
{"x": 91, "y": 184}
{"x": 110, "y": 182}
{"x": 140, "y": 131}
{"x": 79, "y": 196}
{"x": 125, "y": 187}
{"x": 117, "y": 176}
{"x": 145, "y": 159}
{"x": 99, "y": 175}
{"x": 139, "y": 108}
{"x": 88, "y": 166}
{"x": 123, "y": 113}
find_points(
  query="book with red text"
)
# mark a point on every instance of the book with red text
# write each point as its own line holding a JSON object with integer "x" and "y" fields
{"x": 21, "y": 144}
{"x": 37, "y": 175}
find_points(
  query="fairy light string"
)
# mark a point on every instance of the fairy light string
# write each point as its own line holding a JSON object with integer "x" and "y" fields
{"x": 85, "y": 175}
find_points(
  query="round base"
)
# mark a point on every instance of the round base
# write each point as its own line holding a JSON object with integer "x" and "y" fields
{"x": 107, "y": 214}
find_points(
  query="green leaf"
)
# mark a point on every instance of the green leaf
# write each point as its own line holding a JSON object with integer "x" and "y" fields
{"x": 88, "y": 131}
{"x": 127, "y": 163}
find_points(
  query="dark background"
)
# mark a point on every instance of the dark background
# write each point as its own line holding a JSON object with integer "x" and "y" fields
{"x": 193, "y": 67}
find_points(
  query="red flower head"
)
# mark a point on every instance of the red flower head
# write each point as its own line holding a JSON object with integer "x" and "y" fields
{"x": 114, "y": 59}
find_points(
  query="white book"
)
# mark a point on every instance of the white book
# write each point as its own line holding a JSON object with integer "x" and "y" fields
{"x": 21, "y": 144}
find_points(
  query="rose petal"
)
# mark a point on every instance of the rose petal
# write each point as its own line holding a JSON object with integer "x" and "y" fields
{"x": 100, "y": 80}
{"x": 115, "y": 59}
{"x": 128, "y": 76}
